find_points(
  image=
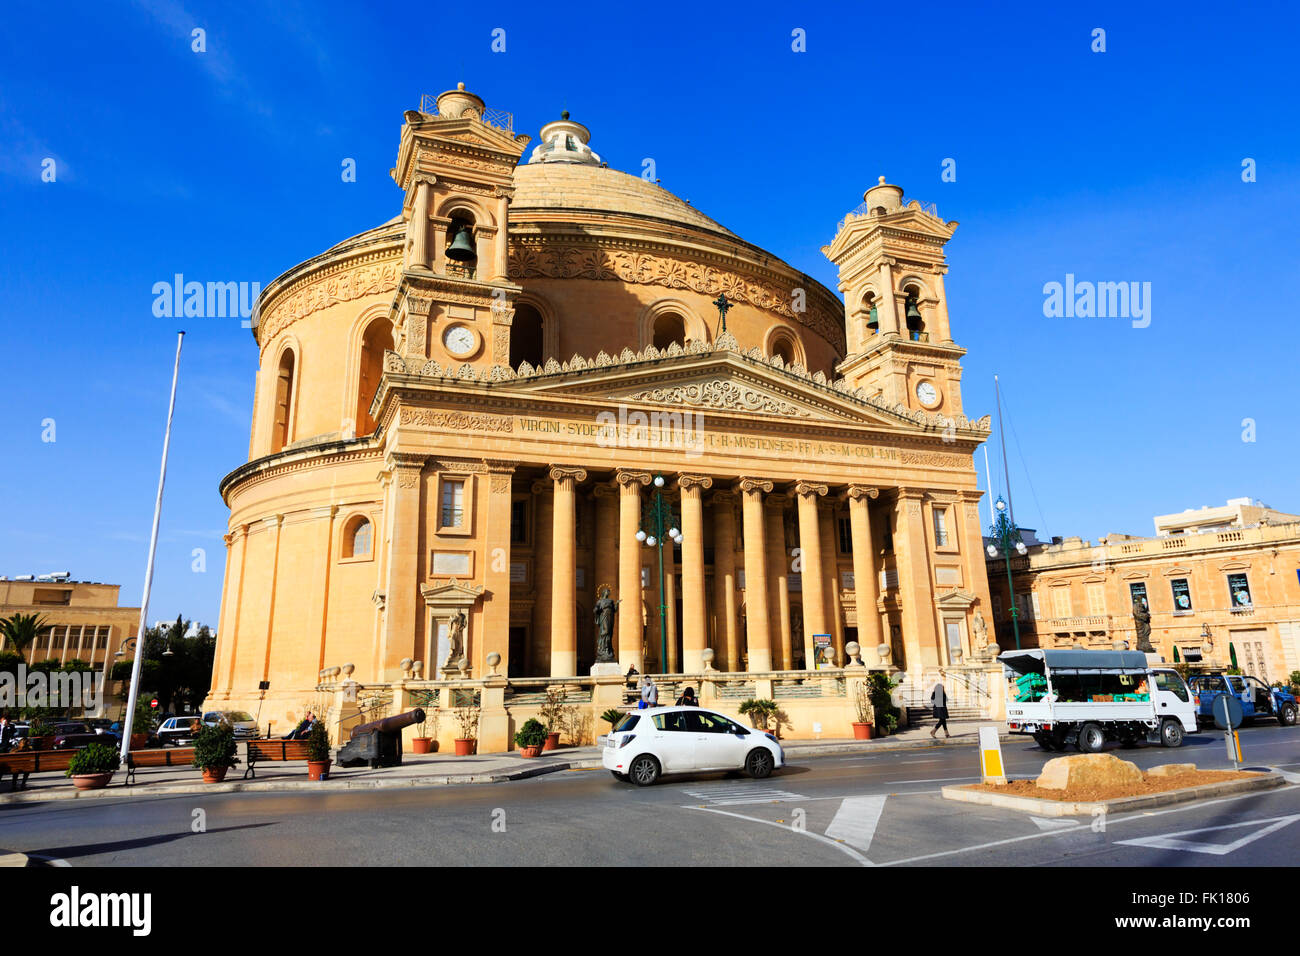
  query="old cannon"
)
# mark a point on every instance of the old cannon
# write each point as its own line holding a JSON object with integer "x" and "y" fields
{"x": 378, "y": 743}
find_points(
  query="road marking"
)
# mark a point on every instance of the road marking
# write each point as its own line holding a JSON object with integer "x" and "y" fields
{"x": 856, "y": 820}
{"x": 842, "y": 847}
{"x": 936, "y": 760}
{"x": 1055, "y": 824}
{"x": 729, "y": 795}
{"x": 1170, "y": 841}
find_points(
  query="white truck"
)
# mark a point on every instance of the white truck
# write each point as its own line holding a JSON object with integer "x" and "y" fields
{"x": 1084, "y": 698}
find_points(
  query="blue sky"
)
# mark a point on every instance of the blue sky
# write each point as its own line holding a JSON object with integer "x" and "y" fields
{"x": 225, "y": 166}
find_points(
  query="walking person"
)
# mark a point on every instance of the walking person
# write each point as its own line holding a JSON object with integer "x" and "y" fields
{"x": 649, "y": 693}
{"x": 688, "y": 698}
{"x": 939, "y": 701}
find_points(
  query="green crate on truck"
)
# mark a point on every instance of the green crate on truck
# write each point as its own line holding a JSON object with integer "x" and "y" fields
{"x": 1036, "y": 681}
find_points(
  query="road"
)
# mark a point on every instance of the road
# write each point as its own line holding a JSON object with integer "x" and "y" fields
{"x": 878, "y": 809}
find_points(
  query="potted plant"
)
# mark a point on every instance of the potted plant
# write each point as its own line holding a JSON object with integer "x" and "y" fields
{"x": 424, "y": 742}
{"x": 552, "y": 713}
{"x": 467, "y": 727}
{"x": 214, "y": 752}
{"x": 40, "y": 735}
{"x": 865, "y": 711}
{"x": 882, "y": 689}
{"x": 92, "y": 767}
{"x": 758, "y": 711}
{"x": 318, "y": 752}
{"x": 530, "y": 738}
{"x": 142, "y": 724}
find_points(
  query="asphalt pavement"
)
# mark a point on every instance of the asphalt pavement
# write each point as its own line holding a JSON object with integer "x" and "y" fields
{"x": 880, "y": 809}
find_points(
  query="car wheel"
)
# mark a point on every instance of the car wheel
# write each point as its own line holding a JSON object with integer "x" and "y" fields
{"x": 644, "y": 770}
{"x": 1286, "y": 715}
{"x": 1171, "y": 733}
{"x": 621, "y": 777}
{"x": 759, "y": 763}
{"x": 1091, "y": 739}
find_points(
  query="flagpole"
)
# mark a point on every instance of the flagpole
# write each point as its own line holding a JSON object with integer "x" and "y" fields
{"x": 1006, "y": 472}
{"x": 148, "y": 571}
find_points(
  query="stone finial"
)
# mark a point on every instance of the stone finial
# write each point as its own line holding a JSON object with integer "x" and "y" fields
{"x": 854, "y": 652}
{"x": 493, "y": 659}
{"x": 405, "y": 665}
{"x": 707, "y": 655}
{"x": 348, "y": 669}
{"x": 882, "y": 651}
{"x": 828, "y": 655}
{"x": 417, "y": 668}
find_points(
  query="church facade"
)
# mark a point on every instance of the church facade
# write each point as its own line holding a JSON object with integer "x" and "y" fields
{"x": 474, "y": 418}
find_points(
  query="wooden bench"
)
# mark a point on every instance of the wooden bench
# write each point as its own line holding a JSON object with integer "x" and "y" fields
{"x": 28, "y": 762}
{"x": 163, "y": 757}
{"x": 273, "y": 749}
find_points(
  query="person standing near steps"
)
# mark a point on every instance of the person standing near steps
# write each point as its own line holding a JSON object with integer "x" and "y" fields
{"x": 939, "y": 701}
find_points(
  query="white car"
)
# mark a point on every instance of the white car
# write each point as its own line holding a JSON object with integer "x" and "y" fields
{"x": 659, "y": 740}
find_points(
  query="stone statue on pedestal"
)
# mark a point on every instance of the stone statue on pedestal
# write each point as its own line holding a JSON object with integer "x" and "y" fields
{"x": 455, "y": 639}
{"x": 1142, "y": 620}
{"x": 605, "y": 610}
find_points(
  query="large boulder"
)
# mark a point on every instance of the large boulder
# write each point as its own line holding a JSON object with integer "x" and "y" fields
{"x": 1088, "y": 770}
{"x": 1171, "y": 769}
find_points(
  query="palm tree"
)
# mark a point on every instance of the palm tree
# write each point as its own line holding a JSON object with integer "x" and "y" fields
{"x": 19, "y": 630}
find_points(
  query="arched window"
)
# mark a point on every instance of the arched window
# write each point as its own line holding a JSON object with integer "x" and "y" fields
{"x": 378, "y": 338}
{"x": 915, "y": 324}
{"x": 460, "y": 248}
{"x": 782, "y": 346}
{"x": 526, "y": 337}
{"x": 281, "y": 423}
{"x": 357, "y": 538}
{"x": 669, "y": 328}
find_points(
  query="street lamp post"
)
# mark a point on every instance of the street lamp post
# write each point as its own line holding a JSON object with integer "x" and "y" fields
{"x": 1005, "y": 532}
{"x": 658, "y": 516}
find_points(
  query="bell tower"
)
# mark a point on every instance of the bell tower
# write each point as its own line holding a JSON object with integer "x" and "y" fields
{"x": 456, "y": 164}
{"x": 891, "y": 267}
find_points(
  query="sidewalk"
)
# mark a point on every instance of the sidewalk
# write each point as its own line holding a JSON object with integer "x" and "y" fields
{"x": 432, "y": 770}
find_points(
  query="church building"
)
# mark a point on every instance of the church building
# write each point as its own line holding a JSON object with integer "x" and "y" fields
{"x": 543, "y": 378}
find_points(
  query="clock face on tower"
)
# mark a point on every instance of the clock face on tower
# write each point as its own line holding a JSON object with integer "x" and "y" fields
{"x": 459, "y": 340}
{"x": 927, "y": 394}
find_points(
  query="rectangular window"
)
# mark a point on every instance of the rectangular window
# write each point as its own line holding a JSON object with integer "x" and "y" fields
{"x": 1034, "y": 605}
{"x": 1182, "y": 596}
{"x": 846, "y": 536}
{"x": 1061, "y": 602}
{"x": 1239, "y": 590}
{"x": 1096, "y": 598}
{"x": 1138, "y": 592}
{"x": 997, "y": 606}
{"x": 519, "y": 521}
{"x": 453, "y": 503}
{"x": 941, "y": 527}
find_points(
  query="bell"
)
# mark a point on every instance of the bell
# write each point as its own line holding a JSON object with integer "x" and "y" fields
{"x": 462, "y": 247}
{"x": 913, "y": 313}
{"x": 873, "y": 318}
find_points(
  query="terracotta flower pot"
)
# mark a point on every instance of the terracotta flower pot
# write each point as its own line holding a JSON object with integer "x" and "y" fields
{"x": 214, "y": 774}
{"x": 552, "y": 741}
{"x": 465, "y": 746}
{"x": 421, "y": 745}
{"x": 534, "y": 751}
{"x": 318, "y": 769}
{"x": 861, "y": 731}
{"x": 139, "y": 741}
{"x": 91, "y": 781}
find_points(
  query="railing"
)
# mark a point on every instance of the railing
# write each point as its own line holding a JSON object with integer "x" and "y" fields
{"x": 501, "y": 119}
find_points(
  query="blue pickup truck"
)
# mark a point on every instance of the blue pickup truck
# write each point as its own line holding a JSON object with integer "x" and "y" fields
{"x": 1257, "y": 699}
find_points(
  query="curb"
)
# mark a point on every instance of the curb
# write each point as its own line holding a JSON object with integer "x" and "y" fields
{"x": 1061, "y": 808}
{"x": 811, "y": 749}
{"x": 10, "y": 858}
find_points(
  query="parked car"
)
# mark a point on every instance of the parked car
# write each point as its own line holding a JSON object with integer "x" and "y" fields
{"x": 668, "y": 740}
{"x": 70, "y": 735}
{"x": 1257, "y": 699}
{"x": 242, "y": 722}
{"x": 151, "y": 738}
{"x": 178, "y": 731}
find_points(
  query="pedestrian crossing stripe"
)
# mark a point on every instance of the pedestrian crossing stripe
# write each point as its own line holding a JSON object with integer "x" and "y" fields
{"x": 733, "y": 795}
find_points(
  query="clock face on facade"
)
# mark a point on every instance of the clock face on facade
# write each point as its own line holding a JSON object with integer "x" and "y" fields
{"x": 927, "y": 394}
{"x": 459, "y": 341}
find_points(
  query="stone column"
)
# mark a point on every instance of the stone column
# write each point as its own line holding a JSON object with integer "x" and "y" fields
{"x": 831, "y": 578}
{"x": 501, "y": 262}
{"x": 810, "y": 551}
{"x": 564, "y": 634}
{"x": 403, "y": 579}
{"x": 778, "y": 580}
{"x": 630, "y": 484}
{"x": 758, "y": 633}
{"x": 695, "y": 624}
{"x": 866, "y": 573}
{"x": 669, "y": 609}
{"x": 538, "y": 663}
{"x": 494, "y": 608}
{"x": 419, "y": 227}
{"x": 915, "y": 593}
{"x": 724, "y": 580}
{"x": 888, "y": 312}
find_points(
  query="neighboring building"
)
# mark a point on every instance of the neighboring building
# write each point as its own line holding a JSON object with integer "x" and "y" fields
{"x": 464, "y": 409}
{"x": 1237, "y": 585}
{"x": 83, "y": 618}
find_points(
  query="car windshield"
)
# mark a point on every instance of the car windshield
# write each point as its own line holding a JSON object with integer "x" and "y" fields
{"x": 240, "y": 715}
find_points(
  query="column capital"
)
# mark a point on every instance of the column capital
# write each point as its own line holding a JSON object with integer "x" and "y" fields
{"x": 696, "y": 483}
{"x": 911, "y": 494}
{"x": 972, "y": 495}
{"x": 567, "y": 472}
{"x": 805, "y": 488}
{"x": 745, "y": 484}
{"x": 424, "y": 179}
{"x": 855, "y": 492}
{"x": 500, "y": 466}
{"x": 627, "y": 476}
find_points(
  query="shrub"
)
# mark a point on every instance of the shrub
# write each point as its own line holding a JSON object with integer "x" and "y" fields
{"x": 96, "y": 758}
{"x": 318, "y": 742}
{"x": 612, "y": 717}
{"x": 553, "y": 709}
{"x": 531, "y": 734}
{"x": 758, "y": 711}
{"x": 1294, "y": 681}
{"x": 467, "y": 722}
{"x": 862, "y": 705}
{"x": 37, "y": 727}
{"x": 214, "y": 747}
{"x": 882, "y": 702}
{"x": 144, "y": 714}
